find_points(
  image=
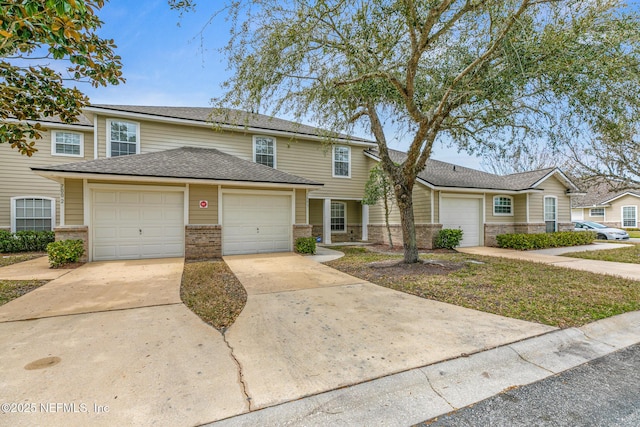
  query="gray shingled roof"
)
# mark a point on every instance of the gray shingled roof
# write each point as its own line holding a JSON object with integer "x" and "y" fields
{"x": 599, "y": 194}
{"x": 228, "y": 117}
{"x": 186, "y": 163}
{"x": 442, "y": 174}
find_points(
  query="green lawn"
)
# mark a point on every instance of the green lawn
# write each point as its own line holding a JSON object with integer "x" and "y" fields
{"x": 518, "y": 289}
{"x": 8, "y": 259}
{"x": 630, "y": 254}
{"x": 634, "y": 234}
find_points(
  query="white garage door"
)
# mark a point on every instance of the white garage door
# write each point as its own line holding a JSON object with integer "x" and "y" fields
{"x": 464, "y": 214}
{"x": 255, "y": 224}
{"x": 137, "y": 224}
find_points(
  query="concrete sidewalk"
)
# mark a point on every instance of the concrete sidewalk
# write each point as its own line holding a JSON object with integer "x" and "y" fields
{"x": 420, "y": 394}
{"x": 620, "y": 269}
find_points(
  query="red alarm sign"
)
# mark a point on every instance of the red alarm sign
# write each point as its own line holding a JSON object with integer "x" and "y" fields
{"x": 204, "y": 204}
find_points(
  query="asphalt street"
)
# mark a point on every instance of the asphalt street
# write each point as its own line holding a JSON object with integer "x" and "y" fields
{"x": 603, "y": 392}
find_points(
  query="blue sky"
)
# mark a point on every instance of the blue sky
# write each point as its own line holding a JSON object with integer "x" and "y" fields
{"x": 179, "y": 65}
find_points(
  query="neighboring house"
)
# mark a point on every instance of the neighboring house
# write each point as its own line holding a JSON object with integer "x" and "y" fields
{"x": 605, "y": 205}
{"x": 144, "y": 182}
{"x": 482, "y": 204}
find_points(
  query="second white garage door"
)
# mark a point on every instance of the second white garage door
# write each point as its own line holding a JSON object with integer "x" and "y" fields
{"x": 137, "y": 224}
{"x": 463, "y": 213}
{"x": 256, "y": 223}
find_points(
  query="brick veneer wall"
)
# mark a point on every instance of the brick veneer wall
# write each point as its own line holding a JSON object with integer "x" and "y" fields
{"x": 300, "y": 230}
{"x": 202, "y": 242}
{"x": 353, "y": 234}
{"x": 425, "y": 234}
{"x": 74, "y": 232}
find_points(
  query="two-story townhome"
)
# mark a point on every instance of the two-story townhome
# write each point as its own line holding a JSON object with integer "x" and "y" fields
{"x": 173, "y": 181}
{"x": 143, "y": 182}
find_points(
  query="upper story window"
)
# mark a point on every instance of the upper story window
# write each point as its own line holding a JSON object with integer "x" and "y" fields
{"x": 341, "y": 161}
{"x": 123, "y": 138}
{"x": 32, "y": 213}
{"x": 502, "y": 205}
{"x": 264, "y": 150}
{"x": 596, "y": 212}
{"x": 67, "y": 144}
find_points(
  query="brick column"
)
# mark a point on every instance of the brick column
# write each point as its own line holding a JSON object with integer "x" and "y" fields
{"x": 75, "y": 232}
{"x": 202, "y": 242}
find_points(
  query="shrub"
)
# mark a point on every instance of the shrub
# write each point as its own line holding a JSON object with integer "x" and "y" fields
{"x": 306, "y": 245}
{"x": 25, "y": 241}
{"x": 64, "y": 252}
{"x": 448, "y": 238}
{"x": 545, "y": 240}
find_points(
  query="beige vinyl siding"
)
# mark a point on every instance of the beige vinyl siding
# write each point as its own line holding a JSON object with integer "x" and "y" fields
{"x": 315, "y": 211}
{"x": 436, "y": 207}
{"x": 19, "y": 180}
{"x": 490, "y": 217}
{"x": 422, "y": 204}
{"x": 551, "y": 187}
{"x": 151, "y": 184}
{"x": 614, "y": 212}
{"x": 73, "y": 202}
{"x": 520, "y": 208}
{"x": 421, "y": 208}
{"x": 309, "y": 159}
{"x": 301, "y": 206}
{"x": 198, "y": 215}
{"x": 354, "y": 211}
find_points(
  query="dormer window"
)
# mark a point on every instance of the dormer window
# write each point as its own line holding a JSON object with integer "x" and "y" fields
{"x": 264, "y": 150}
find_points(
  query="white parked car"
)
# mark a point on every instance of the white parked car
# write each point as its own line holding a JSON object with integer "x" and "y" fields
{"x": 602, "y": 231}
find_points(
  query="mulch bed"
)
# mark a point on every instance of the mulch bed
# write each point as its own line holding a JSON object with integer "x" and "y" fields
{"x": 395, "y": 267}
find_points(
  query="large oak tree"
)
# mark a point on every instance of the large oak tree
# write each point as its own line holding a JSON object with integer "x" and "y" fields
{"x": 46, "y": 45}
{"x": 476, "y": 73}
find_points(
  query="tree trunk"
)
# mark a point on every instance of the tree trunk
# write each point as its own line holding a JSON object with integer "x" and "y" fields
{"x": 386, "y": 217}
{"x": 410, "y": 244}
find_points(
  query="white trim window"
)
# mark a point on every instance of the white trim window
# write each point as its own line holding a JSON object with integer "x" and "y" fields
{"x": 338, "y": 217}
{"x": 596, "y": 212}
{"x": 123, "y": 138}
{"x": 630, "y": 216}
{"x": 551, "y": 213}
{"x": 502, "y": 206}
{"x": 33, "y": 213}
{"x": 264, "y": 151}
{"x": 341, "y": 161}
{"x": 65, "y": 143}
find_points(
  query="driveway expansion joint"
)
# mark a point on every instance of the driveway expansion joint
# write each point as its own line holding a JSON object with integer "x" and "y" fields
{"x": 240, "y": 373}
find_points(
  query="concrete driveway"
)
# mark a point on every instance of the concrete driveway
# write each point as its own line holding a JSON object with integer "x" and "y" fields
{"x": 110, "y": 343}
{"x": 308, "y": 328}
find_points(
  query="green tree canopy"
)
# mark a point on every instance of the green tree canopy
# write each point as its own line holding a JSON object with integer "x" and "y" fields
{"x": 34, "y": 34}
{"x": 479, "y": 73}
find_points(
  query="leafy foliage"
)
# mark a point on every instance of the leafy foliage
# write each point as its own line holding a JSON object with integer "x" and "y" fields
{"x": 64, "y": 252}
{"x": 478, "y": 74}
{"x": 306, "y": 245}
{"x": 32, "y": 34}
{"x": 448, "y": 238}
{"x": 545, "y": 240}
{"x": 378, "y": 188}
{"x": 25, "y": 241}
